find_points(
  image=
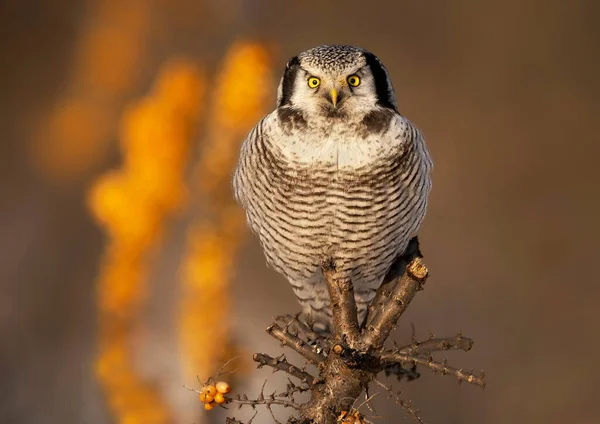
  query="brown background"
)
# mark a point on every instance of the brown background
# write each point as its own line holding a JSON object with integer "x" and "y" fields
{"x": 506, "y": 93}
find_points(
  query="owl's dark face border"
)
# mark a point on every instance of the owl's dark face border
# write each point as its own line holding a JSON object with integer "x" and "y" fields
{"x": 329, "y": 61}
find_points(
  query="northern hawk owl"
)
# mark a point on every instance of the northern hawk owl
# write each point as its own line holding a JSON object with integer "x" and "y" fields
{"x": 334, "y": 174}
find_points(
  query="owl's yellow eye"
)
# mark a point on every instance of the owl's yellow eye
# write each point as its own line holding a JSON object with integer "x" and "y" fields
{"x": 354, "y": 80}
{"x": 313, "y": 82}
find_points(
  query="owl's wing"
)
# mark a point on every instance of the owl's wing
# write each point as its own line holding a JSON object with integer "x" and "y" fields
{"x": 412, "y": 178}
{"x": 413, "y": 150}
{"x": 252, "y": 175}
{"x": 246, "y": 167}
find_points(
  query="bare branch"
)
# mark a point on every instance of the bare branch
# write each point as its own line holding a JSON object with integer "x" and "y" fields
{"x": 266, "y": 401}
{"x": 407, "y": 405}
{"x": 387, "y": 316}
{"x": 293, "y": 325}
{"x": 294, "y": 342}
{"x": 396, "y": 271}
{"x": 441, "y": 367}
{"x": 281, "y": 364}
{"x": 343, "y": 305}
{"x": 352, "y": 356}
{"x": 436, "y": 345}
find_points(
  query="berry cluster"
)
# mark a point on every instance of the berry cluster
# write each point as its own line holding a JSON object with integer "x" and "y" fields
{"x": 214, "y": 394}
{"x": 351, "y": 418}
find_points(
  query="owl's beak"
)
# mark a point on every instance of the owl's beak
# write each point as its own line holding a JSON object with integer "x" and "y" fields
{"x": 333, "y": 96}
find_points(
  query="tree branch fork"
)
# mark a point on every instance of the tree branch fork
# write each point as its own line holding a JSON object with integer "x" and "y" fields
{"x": 352, "y": 357}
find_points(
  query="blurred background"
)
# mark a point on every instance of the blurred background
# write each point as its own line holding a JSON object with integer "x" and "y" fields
{"x": 126, "y": 270}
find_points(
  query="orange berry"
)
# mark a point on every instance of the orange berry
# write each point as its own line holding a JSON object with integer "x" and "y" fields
{"x": 223, "y": 387}
{"x": 206, "y": 398}
{"x": 219, "y": 398}
{"x": 209, "y": 390}
{"x": 209, "y": 406}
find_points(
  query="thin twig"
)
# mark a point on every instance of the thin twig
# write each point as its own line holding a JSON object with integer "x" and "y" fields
{"x": 295, "y": 343}
{"x": 265, "y": 401}
{"x": 441, "y": 367}
{"x": 303, "y": 331}
{"x": 242, "y": 400}
{"x": 399, "y": 401}
{"x": 436, "y": 345}
{"x": 281, "y": 364}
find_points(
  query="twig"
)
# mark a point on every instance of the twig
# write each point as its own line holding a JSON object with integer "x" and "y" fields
{"x": 436, "y": 345}
{"x": 399, "y": 401}
{"x": 303, "y": 331}
{"x": 270, "y": 400}
{"x": 265, "y": 401}
{"x": 294, "y": 342}
{"x": 441, "y": 367}
{"x": 292, "y": 389}
{"x": 281, "y": 364}
{"x": 386, "y": 318}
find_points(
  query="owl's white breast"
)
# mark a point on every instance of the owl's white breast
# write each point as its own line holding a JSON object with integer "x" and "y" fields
{"x": 339, "y": 144}
{"x": 333, "y": 192}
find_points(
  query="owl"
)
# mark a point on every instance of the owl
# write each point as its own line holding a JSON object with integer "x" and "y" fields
{"x": 334, "y": 174}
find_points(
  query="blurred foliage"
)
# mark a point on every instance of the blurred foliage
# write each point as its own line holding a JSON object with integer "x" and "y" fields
{"x": 239, "y": 98}
{"x": 133, "y": 204}
{"x": 75, "y": 135}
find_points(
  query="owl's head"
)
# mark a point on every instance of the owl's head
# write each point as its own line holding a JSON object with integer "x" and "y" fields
{"x": 336, "y": 81}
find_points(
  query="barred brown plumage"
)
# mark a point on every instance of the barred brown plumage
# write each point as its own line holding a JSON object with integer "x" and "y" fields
{"x": 337, "y": 177}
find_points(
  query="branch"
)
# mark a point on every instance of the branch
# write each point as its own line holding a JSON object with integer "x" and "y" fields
{"x": 436, "y": 345}
{"x": 281, "y": 364}
{"x": 387, "y": 316}
{"x": 295, "y": 343}
{"x": 396, "y": 271}
{"x": 343, "y": 305}
{"x": 269, "y": 401}
{"x": 441, "y": 367}
{"x": 351, "y": 357}
{"x": 293, "y": 323}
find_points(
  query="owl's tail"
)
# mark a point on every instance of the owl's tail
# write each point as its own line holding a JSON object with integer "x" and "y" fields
{"x": 320, "y": 318}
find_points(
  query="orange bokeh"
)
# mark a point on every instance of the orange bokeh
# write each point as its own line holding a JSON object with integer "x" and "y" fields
{"x": 239, "y": 98}
{"x": 133, "y": 204}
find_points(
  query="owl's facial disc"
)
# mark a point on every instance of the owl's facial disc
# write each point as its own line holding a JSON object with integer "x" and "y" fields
{"x": 336, "y": 82}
